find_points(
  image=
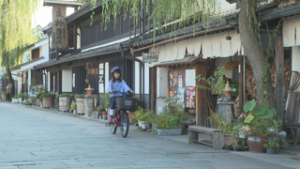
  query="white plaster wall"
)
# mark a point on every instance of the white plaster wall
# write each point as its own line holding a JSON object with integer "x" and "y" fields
{"x": 106, "y": 75}
{"x": 137, "y": 77}
{"x": 29, "y": 81}
{"x": 100, "y": 86}
{"x": 78, "y": 38}
{"x": 48, "y": 74}
{"x": 67, "y": 80}
{"x": 295, "y": 64}
{"x": 44, "y": 51}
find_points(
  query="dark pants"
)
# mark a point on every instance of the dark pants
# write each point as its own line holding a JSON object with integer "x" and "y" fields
{"x": 113, "y": 102}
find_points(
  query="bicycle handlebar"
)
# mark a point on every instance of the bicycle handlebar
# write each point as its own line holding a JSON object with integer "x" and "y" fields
{"x": 128, "y": 92}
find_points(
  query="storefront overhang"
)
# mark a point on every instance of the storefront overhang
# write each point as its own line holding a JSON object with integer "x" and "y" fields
{"x": 62, "y": 2}
{"x": 291, "y": 32}
{"x": 83, "y": 55}
{"x": 27, "y": 64}
{"x": 186, "y": 61}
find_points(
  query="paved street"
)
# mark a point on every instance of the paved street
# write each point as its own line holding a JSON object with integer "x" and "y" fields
{"x": 33, "y": 138}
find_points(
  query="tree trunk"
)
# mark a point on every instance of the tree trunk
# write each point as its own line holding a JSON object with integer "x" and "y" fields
{"x": 11, "y": 81}
{"x": 254, "y": 53}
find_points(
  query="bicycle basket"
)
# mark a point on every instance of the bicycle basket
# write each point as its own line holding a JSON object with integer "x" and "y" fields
{"x": 124, "y": 103}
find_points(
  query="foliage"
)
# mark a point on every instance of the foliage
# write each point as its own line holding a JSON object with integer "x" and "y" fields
{"x": 39, "y": 95}
{"x": 272, "y": 144}
{"x": 44, "y": 95}
{"x": 15, "y": 97}
{"x": 25, "y": 96}
{"x": 175, "y": 109}
{"x": 20, "y": 95}
{"x": 259, "y": 112}
{"x": 101, "y": 108}
{"x": 33, "y": 87}
{"x": 214, "y": 83}
{"x": 80, "y": 96}
{"x": 106, "y": 100}
{"x": 239, "y": 145}
{"x": 73, "y": 106}
{"x": 65, "y": 95}
{"x": 3, "y": 92}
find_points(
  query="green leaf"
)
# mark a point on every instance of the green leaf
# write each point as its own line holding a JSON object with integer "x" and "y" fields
{"x": 267, "y": 115}
{"x": 249, "y": 105}
{"x": 274, "y": 111}
{"x": 259, "y": 110}
{"x": 249, "y": 118}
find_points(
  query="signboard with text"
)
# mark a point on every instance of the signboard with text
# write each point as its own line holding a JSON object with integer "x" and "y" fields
{"x": 150, "y": 57}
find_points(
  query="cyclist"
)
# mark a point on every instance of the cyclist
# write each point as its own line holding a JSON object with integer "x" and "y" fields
{"x": 116, "y": 84}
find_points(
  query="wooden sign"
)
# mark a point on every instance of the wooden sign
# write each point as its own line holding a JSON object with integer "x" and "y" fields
{"x": 150, "y": 57}
{"x": 93, "y": 70}
{"x": 59, "y": 27}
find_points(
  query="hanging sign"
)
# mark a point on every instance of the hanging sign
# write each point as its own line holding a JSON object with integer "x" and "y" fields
{"x": 180, "y": 81}
{"x": 93, "y": 70}
{"x": 59, "y": 27}
{"x": 150, "y": 57}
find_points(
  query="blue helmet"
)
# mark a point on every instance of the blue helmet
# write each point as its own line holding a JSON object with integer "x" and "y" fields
{"x": 114, "y": 69}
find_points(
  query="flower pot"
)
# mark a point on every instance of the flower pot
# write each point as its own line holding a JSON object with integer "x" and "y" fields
{"x": 255, "y": 144}
{"x": 229, "y": 139}
{"x": 64, "y": 103}
{"x": 3, "y": 97}
{"x": 130, "y": 114}
{"x": 144, "y": 126}
{"x": 74, "y": 112}
{"x": 20, "y": 100}
{"x": 227, "y": 93}
{"x": 270, "y": 150}
{"x": 47, "y": 102}
{"x": 95, "y": 114}
{"x": 80, "y": 105}
{"x": 40, "y": 89}
{"x": 141, "y": 123}
{"x": 14, "y": 100}
{"x": 104, "y": 114}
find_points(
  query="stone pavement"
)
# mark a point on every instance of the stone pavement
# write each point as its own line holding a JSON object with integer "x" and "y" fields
{"x": 45, "y": 139}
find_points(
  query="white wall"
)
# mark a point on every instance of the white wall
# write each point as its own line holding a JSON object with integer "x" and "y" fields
{"x": 101, "y": 86}
{"x": 78, "y": 38}
{"x": 67, "y": 80}
{"x": 137, "y": 77}
{"x": 48, "y": 73}
{"x": 44, "y": 51}
{"x": 296, "y": 60}
{"x": 29, "y": 81}
{"x": 106, "y": 75}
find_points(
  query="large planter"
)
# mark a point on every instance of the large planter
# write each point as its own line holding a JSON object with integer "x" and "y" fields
{"x": 229, "y": 139}
{"x": 3, "y": 97}
{"x": 95, "y": 114}
{"x": 47, "y": 102}
{"x": 255, "y": 144}
{"x": 80, "y": 105}
{"x": 169, "y": 132}
{"x": 270, "y": 150}
{"x": 64, "y": 103}
{"x": 14, "y": 100}
{"x": 20, "y": 100}
{"x": 104, "y": 114}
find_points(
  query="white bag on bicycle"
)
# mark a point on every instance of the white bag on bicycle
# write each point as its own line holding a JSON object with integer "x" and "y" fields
{"x": 111, "y": 112}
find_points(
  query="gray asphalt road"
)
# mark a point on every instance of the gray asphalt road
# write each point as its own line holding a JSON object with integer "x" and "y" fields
{"x": 45, "y": 139}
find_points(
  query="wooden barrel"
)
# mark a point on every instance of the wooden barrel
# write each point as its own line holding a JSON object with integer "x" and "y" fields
{"x": 80, "y": 105}
{"x": 64, "y": 103}
{"x": 48, "y": 102}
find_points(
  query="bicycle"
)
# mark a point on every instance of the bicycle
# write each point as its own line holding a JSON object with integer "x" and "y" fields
{"x": 119, "y": 117}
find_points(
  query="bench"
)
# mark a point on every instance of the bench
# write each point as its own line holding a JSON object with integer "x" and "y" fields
{"x": 217, "y": 134}
{"x": 294, "y": 133}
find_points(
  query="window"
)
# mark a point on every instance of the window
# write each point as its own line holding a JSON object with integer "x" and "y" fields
{"x": 35, "y": 53}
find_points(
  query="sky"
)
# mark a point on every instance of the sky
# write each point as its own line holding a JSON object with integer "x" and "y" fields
{"x": 44, "y": 15}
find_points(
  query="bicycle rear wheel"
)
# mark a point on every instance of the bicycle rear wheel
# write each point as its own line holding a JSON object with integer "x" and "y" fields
{"x": 113, "y": 127}
{"x": 124, "y": 124}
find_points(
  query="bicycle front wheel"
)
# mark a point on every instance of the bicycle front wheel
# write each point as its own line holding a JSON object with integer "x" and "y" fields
{"x": 113, "y": 125}
{"x": 124, "y": 124}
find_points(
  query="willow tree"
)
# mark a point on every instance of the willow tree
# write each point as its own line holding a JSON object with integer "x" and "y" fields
{"x": 191, "y": 11}
{"x": 15, "y": 32}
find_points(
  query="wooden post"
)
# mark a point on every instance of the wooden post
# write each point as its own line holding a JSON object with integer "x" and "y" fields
{"x": 153, "y": 88}
{"x": 241, "y": 100}
{"x": 201, "y": 104}
{"x": 279, "y": 62}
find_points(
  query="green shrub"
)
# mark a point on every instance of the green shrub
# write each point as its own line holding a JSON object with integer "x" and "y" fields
{"x": 25, "y": 96}
{"x": 15, "y": 97}
{"x": 73, "y": 106}
{"x": 80, "y": 96}
{"x": 3, "y": 92}
{"x": 65, "y": 95}
{"x": 47, "y": 95}
{"x": 39, "y": 95}
{"x": 20, "y": 95}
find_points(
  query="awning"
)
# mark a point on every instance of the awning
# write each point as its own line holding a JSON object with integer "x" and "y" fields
{"x": 187, "y": 60}
{"x": 27, "y": 63}
{"x": 62, "y": 2}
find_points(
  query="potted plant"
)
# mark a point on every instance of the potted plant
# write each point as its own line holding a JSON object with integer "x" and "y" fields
{"x": 3, "y": 94}
{"x": 102, "y": 110}
{"x": 74, "y": 107}
{"x": 40, "y": 88}
{"x": 257, "y": 117}
{"x": 15, "y": 99}
{"x": 38, "y": 96}
{"x": 33, "y": 87}
{"x": 80, "y": 104}
{"x": 271, "y": 146}
{"x": 20, "y": 98}
{"x": 106, "y": 105}
{"x": 274, "y": 129}
{"x": 95, "y": 113}
{"x": 131, "y": 113}
{"x": 48, "y": 100}
{"x": 65, "y": 101}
